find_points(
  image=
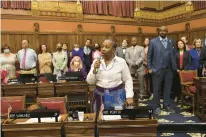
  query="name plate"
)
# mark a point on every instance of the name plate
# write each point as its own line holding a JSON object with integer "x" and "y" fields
{"x": 34, "y": 114}
{"x": 139, "y": 112}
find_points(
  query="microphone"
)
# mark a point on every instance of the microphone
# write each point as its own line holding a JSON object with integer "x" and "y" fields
{"x": 96, "y": 130}
{"x": 98, "y": 58}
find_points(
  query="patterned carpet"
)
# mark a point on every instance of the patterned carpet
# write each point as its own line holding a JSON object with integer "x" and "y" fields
{"x": 182, "y": 115}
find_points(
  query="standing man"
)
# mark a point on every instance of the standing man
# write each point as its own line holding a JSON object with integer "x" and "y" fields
{"x": 88, "y": 55}
{"x": 204, "y": 41}
{"x": 135, "y": 58}
{"x": 185, "y": 39}
{"x": 120, "y": 51}
{"x": 27, "y": 58}
{"x": 161, "y": 64}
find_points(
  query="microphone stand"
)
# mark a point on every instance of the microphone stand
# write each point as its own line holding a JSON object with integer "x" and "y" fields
{"x": 96, "y": 129}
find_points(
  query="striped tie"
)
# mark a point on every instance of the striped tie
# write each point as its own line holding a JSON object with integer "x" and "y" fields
{"x": 24, "y": 59}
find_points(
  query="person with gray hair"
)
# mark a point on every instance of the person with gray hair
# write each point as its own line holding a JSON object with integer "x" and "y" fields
{"x": 112, "y": 78}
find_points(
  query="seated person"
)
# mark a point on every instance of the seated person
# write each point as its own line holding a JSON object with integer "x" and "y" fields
{"x": 76, "y": 65}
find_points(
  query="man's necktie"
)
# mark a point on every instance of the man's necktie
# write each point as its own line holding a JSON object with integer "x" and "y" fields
{"x": 164, "y": 42}
{"x": 24, "y": 59}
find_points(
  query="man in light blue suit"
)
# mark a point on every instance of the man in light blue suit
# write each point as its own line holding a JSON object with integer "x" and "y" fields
{"x": 161, "y": 64}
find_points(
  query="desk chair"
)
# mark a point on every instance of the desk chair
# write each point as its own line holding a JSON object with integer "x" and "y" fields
{"x": 188, "y": 88}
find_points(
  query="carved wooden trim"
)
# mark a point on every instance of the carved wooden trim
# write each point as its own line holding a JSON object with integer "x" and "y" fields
{"x": 57, "y": 8}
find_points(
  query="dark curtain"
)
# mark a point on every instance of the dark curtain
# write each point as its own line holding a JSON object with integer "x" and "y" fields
{"x": 114, "y": 8}
{"x": 199, "y": 5}
{"x": 25, "y": 5}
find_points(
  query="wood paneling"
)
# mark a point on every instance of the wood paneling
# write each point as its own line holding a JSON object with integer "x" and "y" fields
{"x": 14, "y": 39}
{"x": 52, "y": 39}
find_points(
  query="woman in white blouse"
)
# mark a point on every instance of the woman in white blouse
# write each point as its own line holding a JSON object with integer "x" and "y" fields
{"x": 112, "y": 78}
{"x": 8, "y": 61}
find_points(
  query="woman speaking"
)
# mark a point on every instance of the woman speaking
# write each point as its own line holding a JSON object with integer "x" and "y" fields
{"x": 112, "y": 78}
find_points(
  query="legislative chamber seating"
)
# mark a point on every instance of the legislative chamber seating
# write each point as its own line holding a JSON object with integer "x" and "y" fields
{"x": 188, "y": 88}
{"x": 200, "y": 84}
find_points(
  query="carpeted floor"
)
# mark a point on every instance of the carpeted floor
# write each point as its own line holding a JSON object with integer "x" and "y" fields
{"x": 181, "y": 115}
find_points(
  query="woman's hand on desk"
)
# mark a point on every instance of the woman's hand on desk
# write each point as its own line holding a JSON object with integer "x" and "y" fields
{"x": 129, "y": 101}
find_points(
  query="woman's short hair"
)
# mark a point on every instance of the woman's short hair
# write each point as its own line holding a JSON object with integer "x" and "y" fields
{"x": 183, "y": 44}
{"x": 194, "y": 42}
{"x": 72, "y": 63}
{"x": 5, "y": 46}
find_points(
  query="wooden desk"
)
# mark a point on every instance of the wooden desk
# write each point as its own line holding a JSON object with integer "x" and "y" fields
{"x": 45, "y": 90}
{"x": 120, "y": 128}
{"x": 53, "y": 129}
{"x": 200, "y": 84}
{"x": 28, "y": 90}
{"x": 77, "y": 93}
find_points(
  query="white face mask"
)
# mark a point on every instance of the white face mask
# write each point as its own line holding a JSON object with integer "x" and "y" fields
{"x": 76, "y": 49}
{"x": 6, "y": 50}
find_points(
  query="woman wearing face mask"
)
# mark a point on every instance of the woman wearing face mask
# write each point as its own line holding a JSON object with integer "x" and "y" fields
{"x": 195, "y": 54}
{"x": 8, "y": 61}
{"x": 59, "y": 60}
{"x": 77, "y": 51}
{"x": 96, "y": 53}
{"x": 45, "y": 60}
{"x": 76, "y": 65}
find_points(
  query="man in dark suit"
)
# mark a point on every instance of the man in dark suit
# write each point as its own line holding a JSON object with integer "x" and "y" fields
{"x": 88, "y": 55}
{"x": 161, "y": 64}
{"x": 204, "y": 41}
{"x": 203, "y": 60}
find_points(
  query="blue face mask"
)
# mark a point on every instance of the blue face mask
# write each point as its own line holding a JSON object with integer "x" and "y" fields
{"x": 6, "y": 50}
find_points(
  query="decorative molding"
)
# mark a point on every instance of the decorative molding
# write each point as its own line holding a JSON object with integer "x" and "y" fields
{"x": 79, "y": 28}
{"x": 187, "y": 27}
{"x": 27, "y": 15}
{"x": 36, "y": 27}
{"x": 175, "y": 13}
{"x": 57, "y": 8}
{"x": 139, "y": 30}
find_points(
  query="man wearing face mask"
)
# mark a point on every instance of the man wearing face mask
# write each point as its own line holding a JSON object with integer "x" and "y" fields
{"x": 120, "y": 51}
{"x": 8, "y": 60}
{"x": 77, "y": 51}
{"x": 59, "y": 60}
{"x": 27, "y": 58}
{"x": 88, "y": 55}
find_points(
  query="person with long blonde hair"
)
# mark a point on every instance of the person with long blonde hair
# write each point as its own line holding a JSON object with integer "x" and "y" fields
{"x": 76, "y": 65}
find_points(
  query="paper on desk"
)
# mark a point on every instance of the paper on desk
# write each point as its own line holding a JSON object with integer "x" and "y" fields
{"x": 112, "y": 117}
{"x": 35, "y": 120}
